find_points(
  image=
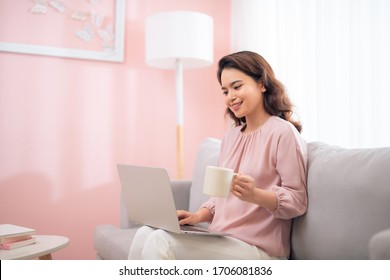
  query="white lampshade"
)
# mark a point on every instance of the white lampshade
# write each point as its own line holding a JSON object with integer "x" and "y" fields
{"x": 183, "y": 35}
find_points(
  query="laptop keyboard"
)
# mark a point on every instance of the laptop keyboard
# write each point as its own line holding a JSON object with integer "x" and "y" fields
{"x": 193, "y": 229}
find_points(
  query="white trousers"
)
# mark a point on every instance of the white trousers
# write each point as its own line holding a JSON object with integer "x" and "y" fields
{"x": 152, "y": 244}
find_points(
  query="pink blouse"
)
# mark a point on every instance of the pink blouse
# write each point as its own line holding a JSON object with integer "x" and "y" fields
{"x": 275, "y": 156}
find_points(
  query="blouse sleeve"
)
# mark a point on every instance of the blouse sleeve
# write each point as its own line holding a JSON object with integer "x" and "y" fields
{"x": 291, "y": 163}
{"x": 209, "y": 204}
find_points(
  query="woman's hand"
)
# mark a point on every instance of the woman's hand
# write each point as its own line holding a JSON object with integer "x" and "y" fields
{"x": 189, "y": 218}
{"x": 243, "y": 187}
{"x": 186, "y": 218}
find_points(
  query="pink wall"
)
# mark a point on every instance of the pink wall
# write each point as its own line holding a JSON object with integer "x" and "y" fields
{"x": 66, "y": 123}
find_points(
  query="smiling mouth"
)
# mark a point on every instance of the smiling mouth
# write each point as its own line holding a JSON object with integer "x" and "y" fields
{"x": 236, "y": 106}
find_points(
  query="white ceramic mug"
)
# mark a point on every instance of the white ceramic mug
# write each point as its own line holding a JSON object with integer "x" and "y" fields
{"x": 218, "y": 181}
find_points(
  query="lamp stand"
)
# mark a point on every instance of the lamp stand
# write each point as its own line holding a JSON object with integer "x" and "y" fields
{"x": 179, "y": 118}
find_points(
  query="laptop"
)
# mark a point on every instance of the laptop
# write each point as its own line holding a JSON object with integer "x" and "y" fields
{"x": 148, "y": 197}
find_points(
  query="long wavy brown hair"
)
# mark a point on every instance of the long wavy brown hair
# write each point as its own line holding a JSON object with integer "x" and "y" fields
{"x": 276, "y": 101}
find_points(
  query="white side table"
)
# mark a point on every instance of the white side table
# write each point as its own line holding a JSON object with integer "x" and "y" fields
{"x": 42, "y": 249}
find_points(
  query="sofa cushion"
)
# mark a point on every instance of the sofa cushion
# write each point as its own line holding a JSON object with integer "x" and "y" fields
{"x": 208, "y": 153}
{"x": 113, "y": 243}
{"x": 348, "y": 191}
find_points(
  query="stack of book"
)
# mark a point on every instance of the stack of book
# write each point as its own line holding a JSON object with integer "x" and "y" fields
{"x": 13, "y": 236}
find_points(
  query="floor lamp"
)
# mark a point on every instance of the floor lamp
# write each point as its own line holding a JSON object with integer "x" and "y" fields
{"x": 179, "y": 40}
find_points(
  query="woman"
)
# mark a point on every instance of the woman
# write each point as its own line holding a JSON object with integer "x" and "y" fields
{"x": 267, "y": 152}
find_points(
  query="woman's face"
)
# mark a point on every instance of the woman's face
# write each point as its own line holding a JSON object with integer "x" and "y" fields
{"x": 243, "y": 95}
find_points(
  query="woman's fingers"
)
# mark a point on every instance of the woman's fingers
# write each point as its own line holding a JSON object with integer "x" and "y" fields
{"x": 243, "y": 186}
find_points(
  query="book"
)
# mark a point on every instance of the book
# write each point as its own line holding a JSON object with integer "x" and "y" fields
{"x": 17, "y": 244}
{"x": 12, "y": 233}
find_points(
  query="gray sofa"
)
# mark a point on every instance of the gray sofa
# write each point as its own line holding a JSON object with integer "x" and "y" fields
{"x": 348, "y": 213}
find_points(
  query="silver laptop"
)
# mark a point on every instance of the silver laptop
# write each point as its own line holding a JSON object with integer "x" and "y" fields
{"x": 148, "y": 197}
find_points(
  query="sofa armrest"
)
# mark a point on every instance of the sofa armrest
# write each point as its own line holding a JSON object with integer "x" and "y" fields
{"x": 379, "y": 245}
{"x": 181, "y": 193}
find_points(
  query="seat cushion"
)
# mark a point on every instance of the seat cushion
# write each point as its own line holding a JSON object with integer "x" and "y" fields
{"x": 208, "y": 153}
{"x": 113, "y": 243}
{"x": 348, "y": 191}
